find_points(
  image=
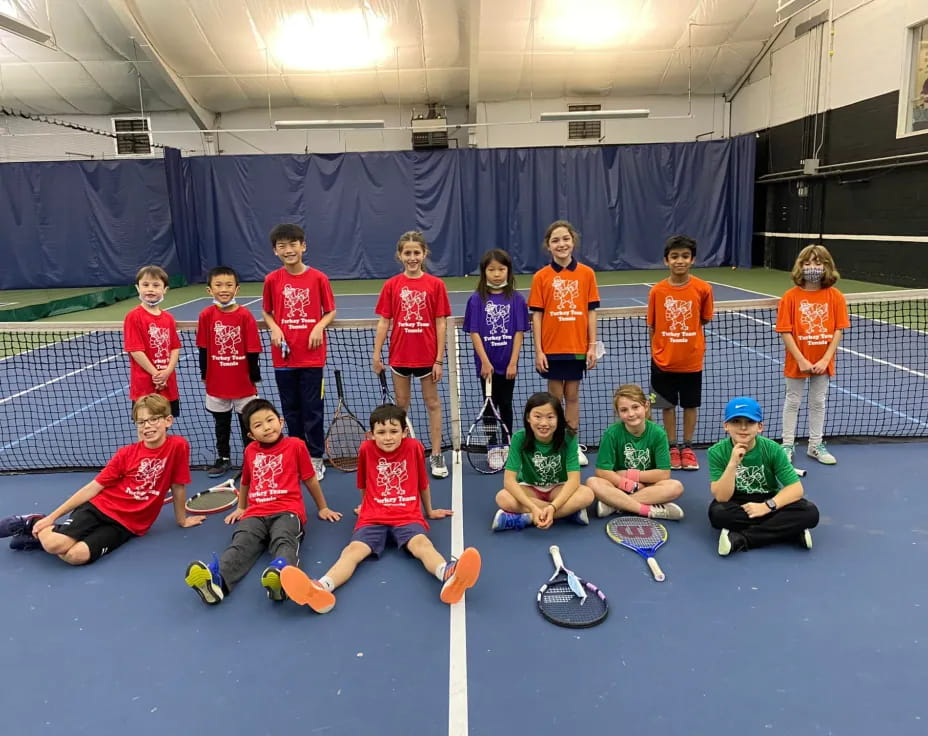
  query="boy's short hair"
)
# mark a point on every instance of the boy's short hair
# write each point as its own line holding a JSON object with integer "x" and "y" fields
{"x": 256, "y": 405}
{"x": 287, "y": 231}
{"x": 157, "y": 406}
{"x": 221, "y": 271}
{"x": 153, "y": 272}
{"x": 388, "y": 413}
{"x": 678, "y": 242}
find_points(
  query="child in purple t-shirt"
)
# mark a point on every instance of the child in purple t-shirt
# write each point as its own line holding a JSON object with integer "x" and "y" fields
{"x": 497, "y": 318}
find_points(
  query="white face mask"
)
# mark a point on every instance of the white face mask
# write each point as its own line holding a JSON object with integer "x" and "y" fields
{"x": 497, "y": 286}
{"x": 227, "y": 304}
{"x": 154, "y": 303}
{"x": 813, "y": 274}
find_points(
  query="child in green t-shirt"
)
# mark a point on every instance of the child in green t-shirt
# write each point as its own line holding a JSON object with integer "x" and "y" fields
{"x": 633, "y": 462}
{"x": 542, "y": 475}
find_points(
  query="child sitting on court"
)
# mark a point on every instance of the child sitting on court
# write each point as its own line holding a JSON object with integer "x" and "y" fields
{"x": 270, "y": 512}
{"x": 122, "y": 502}
{"x": 757, "y": 496}
{"x": 394, "y": 487}
{"x": 229, "y": 345}
{"x": 633, "y": 463}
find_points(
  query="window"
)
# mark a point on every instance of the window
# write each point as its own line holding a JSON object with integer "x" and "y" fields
{"x": 580, "y": 129}
{"x": 132, "y": 136}
{"x": 913, "y": 97}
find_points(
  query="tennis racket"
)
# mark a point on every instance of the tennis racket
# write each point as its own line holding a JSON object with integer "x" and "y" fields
{"x": 387, "y": 398}
{"x": 213, "y": 500}
{"x": 487, "y": 442}
{"x": 345, "y": 435}
{"x": 643, "y": 536}
{"x": 567, "y": 600}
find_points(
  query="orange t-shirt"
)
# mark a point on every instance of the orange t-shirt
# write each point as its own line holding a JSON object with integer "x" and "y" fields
{"x": 812, "y": 317}
{"x": 565, "y": 296}
{"x": 677, "y": 314}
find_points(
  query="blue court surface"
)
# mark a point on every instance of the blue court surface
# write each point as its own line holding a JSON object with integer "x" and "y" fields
{"x": 780, "y": 640}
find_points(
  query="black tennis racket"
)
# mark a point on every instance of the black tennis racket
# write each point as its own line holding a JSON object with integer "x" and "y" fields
{"x": 213, "y": 500}
{"x": 567, "y": 600}
{"x": 345, "y": 435}
{"x": 487, "y": 441}
{"x": 387, "y": 398}
{"x": 640, "y": 535}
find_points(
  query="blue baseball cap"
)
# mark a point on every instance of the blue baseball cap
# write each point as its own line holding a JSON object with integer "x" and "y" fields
{"x": 743, "y": 406}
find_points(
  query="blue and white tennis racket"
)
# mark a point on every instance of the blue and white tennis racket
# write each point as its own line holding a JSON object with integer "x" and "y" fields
{"x": 568, "y": 600}
{"x": 640, "y": 535}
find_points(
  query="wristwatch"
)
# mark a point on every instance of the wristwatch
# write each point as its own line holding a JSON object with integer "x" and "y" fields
{"x": 771, "y": 504}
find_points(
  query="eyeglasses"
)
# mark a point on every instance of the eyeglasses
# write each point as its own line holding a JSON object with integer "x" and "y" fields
{"x": 151, "y": 420}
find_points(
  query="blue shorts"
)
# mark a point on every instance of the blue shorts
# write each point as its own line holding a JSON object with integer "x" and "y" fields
{"x": 565, "y": 370}
{"x": 375, "y": 536}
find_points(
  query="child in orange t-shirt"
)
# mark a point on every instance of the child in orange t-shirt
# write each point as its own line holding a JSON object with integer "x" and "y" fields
{"x": 810, "y": 318}
{"x": 678, "y": 307}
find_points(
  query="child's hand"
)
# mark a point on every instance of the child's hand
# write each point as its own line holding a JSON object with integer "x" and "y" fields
{"x": 737, "y": 453}
{"x": 316, "y": 336}
{"x": 754, "y": 510}
{"x": 543, "y": 517}
{"x": 804, "y": 365}
{"x": 436, "y": 372}
{"x": 277, "y": 336}
{"x": 46, "y": 522}
{"x": 591, "y": 357}
{"x": 234, "y": 516}
{"x": 820, "y": 367}
{"x": 440, "y": 513}
{"x": 357, "y": 510}
{"x": 192, "y": 521}
{"x": 328, "y": 514}
{"x": 377, "y": 365}
{"x": 541, "y": 363}
{"x": 486, "y": 369}
{"x": 511, "y": 370}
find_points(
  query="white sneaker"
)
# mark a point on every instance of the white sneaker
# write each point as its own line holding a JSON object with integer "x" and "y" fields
{"x": 820, "y": 453}
{"x": 439, "y": 469}
{"x": 603, "y": 510}
{"x": 581, "y": 456}
{"x": 669, "y": 511}
{"x": 806, "y": 538}
{"x": 319, "y": 467}
{"x": 790, "y": 451}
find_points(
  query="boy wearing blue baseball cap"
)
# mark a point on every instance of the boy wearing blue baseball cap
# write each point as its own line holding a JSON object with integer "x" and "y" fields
{"x": 757, "y": 496}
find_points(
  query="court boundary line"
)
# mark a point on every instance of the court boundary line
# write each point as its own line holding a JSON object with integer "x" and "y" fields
{"x": 457, "y": 654}
{"x": 763, "y": 295}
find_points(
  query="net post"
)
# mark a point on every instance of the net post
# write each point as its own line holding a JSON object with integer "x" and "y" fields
{"x": 454, "y": 378}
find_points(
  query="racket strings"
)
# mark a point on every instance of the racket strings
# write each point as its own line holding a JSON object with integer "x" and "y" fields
{"x": 559, "y": 603}
{"x": 343, "y": 441}
{"x": 486, "y": 444}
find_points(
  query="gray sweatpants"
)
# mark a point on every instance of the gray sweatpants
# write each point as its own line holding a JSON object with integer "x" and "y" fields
{"x": 279, "y": 534}
{"x": 818, "y": 390}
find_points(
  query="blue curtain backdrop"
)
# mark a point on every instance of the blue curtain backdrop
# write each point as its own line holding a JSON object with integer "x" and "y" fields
{"x": 96, "y": 223}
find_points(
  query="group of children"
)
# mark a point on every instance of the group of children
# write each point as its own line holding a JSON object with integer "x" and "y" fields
{"x": 757, "y": 496}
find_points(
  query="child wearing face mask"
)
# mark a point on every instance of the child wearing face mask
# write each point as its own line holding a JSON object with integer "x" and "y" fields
{"x": 810, "y": 318}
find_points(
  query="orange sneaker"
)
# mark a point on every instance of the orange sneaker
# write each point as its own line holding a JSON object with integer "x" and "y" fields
{"x": 304, "y": 590}
{"x": 460, "y": 574}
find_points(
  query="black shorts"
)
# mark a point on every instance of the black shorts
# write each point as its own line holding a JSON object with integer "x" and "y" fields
{"x": 419, "y": 373}
{"x": 376, "y": 536}
{"x": 98, "y": 531}
{"x": 565, "y": 370}
{"x": 676, "y": 389}
{"x": 175, "y": 408}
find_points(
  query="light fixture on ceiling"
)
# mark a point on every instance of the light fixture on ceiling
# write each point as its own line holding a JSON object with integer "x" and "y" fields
{"x": 594, "y": 115}
{"x": 326, "y": 124}
{"x": 324, "y": 41}
{"x": 24, "y": 30}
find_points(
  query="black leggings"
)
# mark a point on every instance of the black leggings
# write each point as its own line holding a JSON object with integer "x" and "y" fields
{"x": 224, "y": 432}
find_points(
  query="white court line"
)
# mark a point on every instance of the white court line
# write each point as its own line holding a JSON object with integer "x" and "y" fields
{"x": 58, "y": 378}
{"x": 746, "y": 291}
{"x": 457, "y": 655}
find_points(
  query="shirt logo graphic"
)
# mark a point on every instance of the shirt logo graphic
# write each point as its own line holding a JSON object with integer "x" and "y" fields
{"x": 146, "y": 478}
{"x": 413, "y": 303}
{"x": 749, "y": 479}
{"x": 390, "y": 477}
{"x": 159, "y": 339}
{"x": 228, "y": 339}
{"x": 637, "y": 459}
{"x": 296, "y": 301}
{"x": 677, "y": 312}
{"x": 497, "y": 318}
{"x": 566, "y": 293}
{"x": 812, "y": 317}
{"x": 546, "y": 468}
{"x": 266, "y": 470}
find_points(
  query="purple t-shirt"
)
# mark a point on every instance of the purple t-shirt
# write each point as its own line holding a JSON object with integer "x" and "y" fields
{"x": 496, "y": 322}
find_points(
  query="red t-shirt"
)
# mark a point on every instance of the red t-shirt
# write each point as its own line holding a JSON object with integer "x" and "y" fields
{"x": 413, "y": 305}
{"x": 297, "y": 303}
{"x": 812, "y": 317}
{"x": 137, "y": 478}
{"x": 392, "y": 483}
{"x": 677, "y": 313}
{"x": 156, "y": 336}
{"x": 273, "y": 475}
{"x": 227, "y": 338}
{"x": 565, "y": 295}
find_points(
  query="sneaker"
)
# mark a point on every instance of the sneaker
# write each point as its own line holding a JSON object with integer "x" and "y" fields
{"x": 581, "y": 517}
{"x": 820, "y": 453}
{"x": 319, "y": 467}
{"x": 439, "y": 469}
{"x": 13, "y": 525}
{"x": 603, "y": 510}
{"x": 503, "y": 521}
{"x": 688, "y": 459}
{"x": 581, "y": 456}
{"x": 790, "y": 451}
{"x": 460, "y": 574}
{"x": 669, "y": 511}
{"x": 270, "y": 580}
{"x": 305, "y": 591}
{"x": 805, "y": 539}
{"x": 675, "y": 461}
{"x": 729, "y": 542}
{"x": 25, "y": 542}
{"x": 219, "y": 468}
{"x": 205, "y": 580}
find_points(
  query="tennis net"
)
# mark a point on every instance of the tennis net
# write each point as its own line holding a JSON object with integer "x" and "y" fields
{"x": 64, "y": 387}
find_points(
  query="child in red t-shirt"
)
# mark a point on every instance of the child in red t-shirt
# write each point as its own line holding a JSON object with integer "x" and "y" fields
{"x": 270, "y": 514}
{"x": 229, "y": 345}
{"x": 417, "y": 305}
{"x": 122, "y": 502}
{"x": 394, "y": 488}
{"x": 150, "y": 337}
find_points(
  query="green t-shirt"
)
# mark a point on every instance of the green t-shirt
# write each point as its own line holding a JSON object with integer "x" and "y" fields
{"x": 619, "y": 449}
{"x": 763, "y": 471}
{"x": 544, "y": 467}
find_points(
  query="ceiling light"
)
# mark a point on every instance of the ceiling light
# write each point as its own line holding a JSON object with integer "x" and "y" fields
{"x": 31, "y": 33}
{"x": 326, "y": 124}
{"x": 594, "y": 115}
{"x": 322, "y": 41}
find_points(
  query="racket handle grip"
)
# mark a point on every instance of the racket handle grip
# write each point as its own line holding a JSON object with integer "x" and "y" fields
{"x": 656, "y": 570}
{"x": 555, "y": 552}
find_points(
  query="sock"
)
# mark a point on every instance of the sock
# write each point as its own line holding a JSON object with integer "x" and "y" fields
{"x": 645, "y": 510}
{"x": 440, "y": 571}
{"x": 326, "y": 582}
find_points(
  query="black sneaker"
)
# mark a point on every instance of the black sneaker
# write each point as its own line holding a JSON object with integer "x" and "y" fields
{"x": 219, "y": 468}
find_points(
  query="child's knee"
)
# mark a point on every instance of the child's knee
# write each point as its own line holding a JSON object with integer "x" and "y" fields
{"x": 674, "y": 488}
{"x": 584, "y": 494}
{"x": 79, "y": 554}
{"x": 505, "y": 501}
{"x": 419, "y": 545}
{"x": 433, "y": 403}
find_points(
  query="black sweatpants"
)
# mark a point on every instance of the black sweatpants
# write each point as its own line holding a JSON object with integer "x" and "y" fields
{"x": 279, "y": 534}
{"x": 783, "y": 525}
